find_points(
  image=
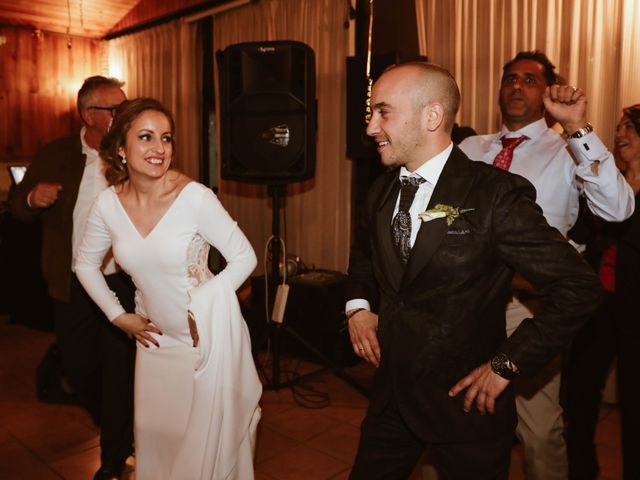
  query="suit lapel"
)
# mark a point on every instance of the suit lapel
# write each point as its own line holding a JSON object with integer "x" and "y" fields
{"x": 390, "y": 262}
{"x": 452, "y": 189}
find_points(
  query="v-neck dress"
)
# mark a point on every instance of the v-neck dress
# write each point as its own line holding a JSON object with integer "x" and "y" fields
{"x": 165, "y": 265}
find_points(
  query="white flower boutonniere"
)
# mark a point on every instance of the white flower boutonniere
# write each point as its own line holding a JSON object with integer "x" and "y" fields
{"x": 443, "y": 211}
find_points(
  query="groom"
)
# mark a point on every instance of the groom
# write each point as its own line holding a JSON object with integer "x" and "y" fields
{"x": 440, "y": 281}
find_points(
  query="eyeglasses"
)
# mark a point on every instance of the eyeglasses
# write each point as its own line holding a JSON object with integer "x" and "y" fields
{"x": 112, "y": 110}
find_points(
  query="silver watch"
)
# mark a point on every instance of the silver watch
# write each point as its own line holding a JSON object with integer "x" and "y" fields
{"x": 581, "y": 132}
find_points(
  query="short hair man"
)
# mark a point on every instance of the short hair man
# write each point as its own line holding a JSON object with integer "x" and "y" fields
{"x": 59, "y": 188}
{"x": 440, "y": 266}
{"x": 560, "y": 175}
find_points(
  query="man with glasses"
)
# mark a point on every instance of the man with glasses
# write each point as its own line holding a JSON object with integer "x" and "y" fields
{"x": 59, "y": 189}
{"x": 112, "y": 110}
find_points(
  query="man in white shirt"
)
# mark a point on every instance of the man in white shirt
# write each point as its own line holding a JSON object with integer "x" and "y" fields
{"x": 59, "y": 188}
{"x": 561, "y": 171}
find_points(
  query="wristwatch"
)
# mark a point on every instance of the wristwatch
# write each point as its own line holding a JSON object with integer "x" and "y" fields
{"x": 503, "y": 366}
{"x": 581, "y": 132}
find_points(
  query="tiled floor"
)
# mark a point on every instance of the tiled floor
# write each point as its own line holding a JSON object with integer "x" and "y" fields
{"x": 42, "y": 441}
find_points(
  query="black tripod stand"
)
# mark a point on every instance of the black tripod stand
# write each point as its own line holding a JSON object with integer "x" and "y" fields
{"x": 276, "y": 328}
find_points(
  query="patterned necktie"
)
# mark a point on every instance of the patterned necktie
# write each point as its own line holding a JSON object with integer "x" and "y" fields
{"x": 401, "y": 225}
{"x": 503, "y": 159}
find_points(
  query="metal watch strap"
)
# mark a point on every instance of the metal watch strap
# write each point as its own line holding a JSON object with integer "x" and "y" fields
{"x": 581, "y": 132}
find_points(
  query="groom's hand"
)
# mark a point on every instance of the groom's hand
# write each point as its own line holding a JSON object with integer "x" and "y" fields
{"x": 363, "y": 328}
{"x": 484, "y": 386}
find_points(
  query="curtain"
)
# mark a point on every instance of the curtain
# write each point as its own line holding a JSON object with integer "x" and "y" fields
{"x": 165, "y": 62}
{"x": 316, "y": 213}
{"x": 593, "y": 45}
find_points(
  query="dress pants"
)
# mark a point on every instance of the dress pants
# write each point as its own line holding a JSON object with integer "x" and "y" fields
{"x": 590, "y": 360}
{"x": 99, "y": 360}
{"x": 388, "y": 450}
{"x": 541, "y": 427}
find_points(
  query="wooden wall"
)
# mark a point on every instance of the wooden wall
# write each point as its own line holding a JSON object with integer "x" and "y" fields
{"x": 148, "y": 10}
{"x": 39, "y": 79}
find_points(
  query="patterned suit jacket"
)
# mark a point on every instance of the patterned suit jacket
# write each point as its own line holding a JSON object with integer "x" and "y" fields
{"x": 443, "y": 314}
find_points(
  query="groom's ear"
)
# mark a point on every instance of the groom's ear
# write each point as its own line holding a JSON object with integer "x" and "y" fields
{"x": 435, "y": 116}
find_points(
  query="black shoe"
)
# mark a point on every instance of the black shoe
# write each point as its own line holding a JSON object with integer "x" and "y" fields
{"x": 106, "y": 474}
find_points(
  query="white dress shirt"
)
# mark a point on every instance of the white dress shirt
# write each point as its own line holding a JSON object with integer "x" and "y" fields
{"x": 560, "y": 171}
{"x": 430, "y": 171}
{"x": 93, "y": 183}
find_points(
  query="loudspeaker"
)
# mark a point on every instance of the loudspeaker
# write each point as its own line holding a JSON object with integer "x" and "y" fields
{"x": 267, "y": 112}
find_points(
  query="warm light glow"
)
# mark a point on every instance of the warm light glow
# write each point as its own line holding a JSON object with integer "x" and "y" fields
{"x": 114, "y": 60}
{"x": 73, "y": 85}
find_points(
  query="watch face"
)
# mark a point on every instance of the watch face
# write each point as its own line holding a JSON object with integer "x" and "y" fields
{"x": 501, "y": 365}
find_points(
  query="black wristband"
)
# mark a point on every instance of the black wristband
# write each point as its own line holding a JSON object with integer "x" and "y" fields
{"x": 353, "y": 312}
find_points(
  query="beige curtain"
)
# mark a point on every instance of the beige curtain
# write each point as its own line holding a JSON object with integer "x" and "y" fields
{"x": 317, "y": 212}
{"x": 164, "y": 62}
{"x": 593, "y": 44}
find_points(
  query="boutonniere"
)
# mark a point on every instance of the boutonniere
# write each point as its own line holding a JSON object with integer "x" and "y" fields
{"x": 443, "y": 211}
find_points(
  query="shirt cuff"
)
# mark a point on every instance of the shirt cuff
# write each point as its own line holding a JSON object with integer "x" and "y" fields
{"x": 588, "y": 149}
{"x": 357, "y": 303}
{"x": 114, "y": 313}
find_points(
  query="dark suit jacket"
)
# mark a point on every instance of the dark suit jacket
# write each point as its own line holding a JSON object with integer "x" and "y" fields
{"x": 61, "y": 161}
{"x": 444, "y": 314}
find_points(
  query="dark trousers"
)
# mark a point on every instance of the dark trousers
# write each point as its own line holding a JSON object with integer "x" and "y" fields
{"x": 388, "y": 450}
{"x": 99, "y": 361}
{"x": 588, "y": 365}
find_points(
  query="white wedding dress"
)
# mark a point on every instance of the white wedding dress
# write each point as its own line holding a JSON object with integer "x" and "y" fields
{"x": 196, "y": 408}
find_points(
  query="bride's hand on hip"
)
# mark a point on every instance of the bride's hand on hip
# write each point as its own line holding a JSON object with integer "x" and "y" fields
{"x": 137, "y": 327}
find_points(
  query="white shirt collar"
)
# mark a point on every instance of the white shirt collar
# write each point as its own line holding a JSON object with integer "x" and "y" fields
{"x": 85, "y": 147}
{"x": 91, "y": 154}
{"x": 533, "y": 130}
{"x": 432, "y": 168}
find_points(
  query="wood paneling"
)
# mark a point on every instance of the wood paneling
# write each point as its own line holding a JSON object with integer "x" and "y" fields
{"x": 148, "y": 10}
{"x": 39, "y": 80}
{"x": 89, "y": 18}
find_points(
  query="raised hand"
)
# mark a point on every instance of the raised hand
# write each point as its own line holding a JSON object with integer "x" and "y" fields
{"x": 568, "y": 105}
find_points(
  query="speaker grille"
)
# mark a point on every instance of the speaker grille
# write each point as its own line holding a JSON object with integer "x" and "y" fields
{"x": 268, "y": 115}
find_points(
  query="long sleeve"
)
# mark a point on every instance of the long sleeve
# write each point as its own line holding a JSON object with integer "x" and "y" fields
{"x": 95, "y": 244}
{"x": 561, "y": 171}
{"x": 218, "y": 228}
{"x": 569, "y": 289}
{"x": 608, "y": 195}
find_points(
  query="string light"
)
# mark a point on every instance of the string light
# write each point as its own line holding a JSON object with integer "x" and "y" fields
{"x": 69, "y": 24}
{"x": 367, "y": 117}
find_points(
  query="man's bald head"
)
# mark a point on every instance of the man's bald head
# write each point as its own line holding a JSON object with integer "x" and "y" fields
{"x": 428, "y": 83}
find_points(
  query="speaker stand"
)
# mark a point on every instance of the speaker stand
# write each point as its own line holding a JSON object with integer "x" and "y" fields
{"x": 276, "y": 329}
